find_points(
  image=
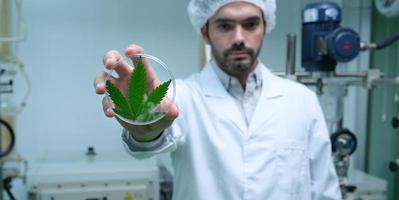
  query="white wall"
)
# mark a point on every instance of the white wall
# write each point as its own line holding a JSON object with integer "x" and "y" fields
{"x": 63, "y": 52}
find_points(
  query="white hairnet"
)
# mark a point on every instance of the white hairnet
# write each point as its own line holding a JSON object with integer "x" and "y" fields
{"x": 200, "y": 11}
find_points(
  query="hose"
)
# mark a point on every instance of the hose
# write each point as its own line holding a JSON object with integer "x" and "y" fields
{"x": 7, "y": 187}
{"x": 12, "y": 139}
{"x": 380, "y": 45}
{"x": 387, "y": 42}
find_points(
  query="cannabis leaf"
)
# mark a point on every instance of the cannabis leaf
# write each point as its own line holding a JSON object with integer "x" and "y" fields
{"x": 122, "y": 106}
{"x": 137, "y": 87}
{"x": 138, "y": 105}
{"x": 156, "y": 96}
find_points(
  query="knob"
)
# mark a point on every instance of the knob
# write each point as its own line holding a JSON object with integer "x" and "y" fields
{"x": 91, "y": 151}
{"x": 394, "y": 165}
{"x": 395, "y": 122}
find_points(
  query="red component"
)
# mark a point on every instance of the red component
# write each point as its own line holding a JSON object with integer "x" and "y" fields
{"x": 347, "y": 45}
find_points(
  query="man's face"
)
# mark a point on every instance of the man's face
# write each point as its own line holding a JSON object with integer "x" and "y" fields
{"x": 236, "y": 33}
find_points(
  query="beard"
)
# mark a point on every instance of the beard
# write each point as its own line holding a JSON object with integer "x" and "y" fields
{"x": 236, "y": 66}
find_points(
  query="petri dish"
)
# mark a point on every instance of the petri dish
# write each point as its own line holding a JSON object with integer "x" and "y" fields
{"x": 146, "y": 100}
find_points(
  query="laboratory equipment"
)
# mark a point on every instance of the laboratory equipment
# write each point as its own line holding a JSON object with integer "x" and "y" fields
{"x": 101, "y": 186}
{"x": 143, "y": 108}
{"x": 326, "y": 41}
{"x": 12, "y": 32}
{"x": 93, "y": 174}
{"x": 325, "y": 44}
{"x": 344, "y": 144}
{"x": 389, "y": 8}
{"x": 8, "y": 141}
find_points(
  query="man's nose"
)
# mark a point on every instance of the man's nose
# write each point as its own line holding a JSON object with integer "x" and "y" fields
{"x": 238, "y": 36}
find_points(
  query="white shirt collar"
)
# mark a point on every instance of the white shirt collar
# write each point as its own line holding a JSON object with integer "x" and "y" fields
{"x": 232, "y": 83}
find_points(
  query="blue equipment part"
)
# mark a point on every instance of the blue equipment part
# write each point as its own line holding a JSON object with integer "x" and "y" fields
{"x": 324, "y": 41}
{"x": 322, "y": 12}
{"x": 343, "y": 44}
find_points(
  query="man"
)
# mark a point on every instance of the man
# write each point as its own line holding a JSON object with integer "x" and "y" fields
{"x": 239, "y": 132}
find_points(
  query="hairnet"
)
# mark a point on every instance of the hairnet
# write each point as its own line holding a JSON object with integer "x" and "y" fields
{"x": 200, "y": 11}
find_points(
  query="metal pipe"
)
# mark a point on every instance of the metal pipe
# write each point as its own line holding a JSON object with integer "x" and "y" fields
{"x": 351, "y": 74}
{"x": 291, "y": 50}
{"x": 386, "y": 82}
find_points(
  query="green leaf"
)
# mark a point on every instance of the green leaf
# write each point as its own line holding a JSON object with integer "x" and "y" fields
{"x": 156, "y": 96}
{"x": 137, "y": 105}
{"x": 137, "y": 88}
{"x": 123, "y": 113}
{"x": 122, "y": 106}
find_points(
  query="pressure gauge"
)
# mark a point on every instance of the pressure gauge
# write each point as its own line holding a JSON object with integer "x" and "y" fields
{"x": 388, "y": 8}
{"x": 343, "y": 142}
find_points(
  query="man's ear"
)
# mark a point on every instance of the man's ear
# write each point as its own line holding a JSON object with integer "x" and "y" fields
{"x": 204, "y": 34}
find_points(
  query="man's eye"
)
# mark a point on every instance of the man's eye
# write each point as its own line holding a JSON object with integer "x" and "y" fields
{"x": 250, "y": 25}
{"x": 225, "y": 27}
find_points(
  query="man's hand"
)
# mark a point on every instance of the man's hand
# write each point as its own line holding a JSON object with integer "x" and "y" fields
{"x": 113, "y": 60}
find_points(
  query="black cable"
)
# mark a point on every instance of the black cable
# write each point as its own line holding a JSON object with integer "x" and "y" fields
{"x": 7, "y": 187}
{"x": 387, "y": 42}
{"x": 12, "y": 139}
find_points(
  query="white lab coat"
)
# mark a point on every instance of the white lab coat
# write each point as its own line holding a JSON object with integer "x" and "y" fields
{"x": 284, "y": 153}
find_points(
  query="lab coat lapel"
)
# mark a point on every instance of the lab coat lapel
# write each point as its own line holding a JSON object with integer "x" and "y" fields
{"x": 219, "y": 100}
{"x": 269, "y": 102}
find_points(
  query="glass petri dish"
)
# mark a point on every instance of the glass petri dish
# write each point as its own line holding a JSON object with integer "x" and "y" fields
{"x": 144, "y": 106}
